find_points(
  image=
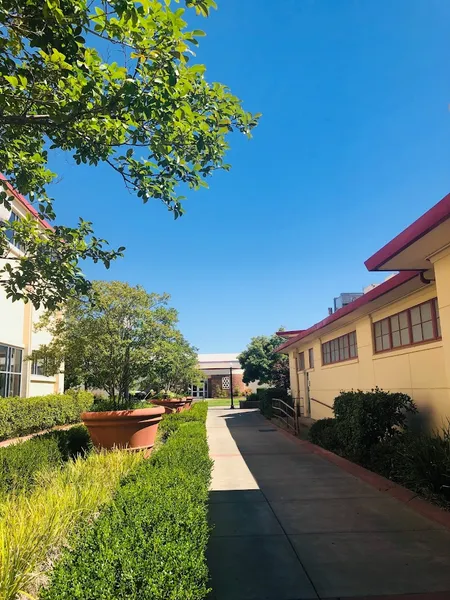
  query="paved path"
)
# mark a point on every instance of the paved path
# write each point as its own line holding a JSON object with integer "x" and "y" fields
{"x": 289, "y": 525}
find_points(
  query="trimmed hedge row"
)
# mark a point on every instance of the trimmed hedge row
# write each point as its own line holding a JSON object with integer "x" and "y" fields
{"x": 20, "y": 462}
{"x": 22, "y": 416}
{"x": 151, "y": 543}
{"x": 172, "y": 422}
{"x": 265, "y": 397}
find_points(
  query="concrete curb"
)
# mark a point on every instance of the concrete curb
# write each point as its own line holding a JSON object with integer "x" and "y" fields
{"x": 386, "y": 486}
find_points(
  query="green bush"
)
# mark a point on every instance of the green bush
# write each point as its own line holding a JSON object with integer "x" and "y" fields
{"x": 19, "y": 463}
{"x": 151, "y": 543}
{"x": 324, "y": 433}
{"x": 364, "y": 419}
{"x": 220, "y": 393}
{"x": 172, "y": 422}
{"x": 21, "y": 416}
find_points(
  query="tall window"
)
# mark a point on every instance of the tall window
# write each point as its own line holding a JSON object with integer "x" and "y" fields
{"x": 340, "y": 349}
{"x": 301, "y": 361}
{"x": 311, "y": 358}
{"x": 10, "y": 233}
{"x": 38, "y": 367}
{"x": 10, "y": 371}
{"x": 415, "y": 325}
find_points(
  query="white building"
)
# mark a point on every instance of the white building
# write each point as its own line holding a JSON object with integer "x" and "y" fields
{"x": 20, "y": 377}
{"x": 222, "y": 372}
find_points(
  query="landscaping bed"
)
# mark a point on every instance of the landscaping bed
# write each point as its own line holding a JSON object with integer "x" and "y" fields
{"x": 373, "y": 429}
{"x": 151, "y": 542}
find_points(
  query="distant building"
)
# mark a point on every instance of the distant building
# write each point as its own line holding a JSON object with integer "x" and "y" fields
{"x": 222, "y": 373}
{"x": 345, "y": 298}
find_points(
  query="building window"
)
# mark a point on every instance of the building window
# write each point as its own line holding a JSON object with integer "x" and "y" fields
{"x": 301, "y": 361}
{"x": 226, "y": 383}
{"x": 10, "y": 371}
{"x": 37, "y": 367}
{"x": 311, "y": 358}
{"x": 415, "y": 325}
{"x": 10, "y": 234}
{"x": 340, "y": 349}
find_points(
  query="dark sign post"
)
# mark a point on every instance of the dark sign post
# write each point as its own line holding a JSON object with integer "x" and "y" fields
{"x": 231, "y": 386}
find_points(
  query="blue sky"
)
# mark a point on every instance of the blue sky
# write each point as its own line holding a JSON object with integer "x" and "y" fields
{"x": 353, "y": 145}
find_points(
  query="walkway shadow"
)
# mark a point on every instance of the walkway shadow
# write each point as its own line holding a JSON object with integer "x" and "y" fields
{"x": 310, "y": 530}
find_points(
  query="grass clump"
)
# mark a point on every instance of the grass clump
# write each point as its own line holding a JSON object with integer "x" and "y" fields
{"x": 34, "y": 527}
{"x": 151, "y": 543}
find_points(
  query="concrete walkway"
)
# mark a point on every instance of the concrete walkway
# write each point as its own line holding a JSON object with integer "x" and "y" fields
{"x": 289, "y": 525}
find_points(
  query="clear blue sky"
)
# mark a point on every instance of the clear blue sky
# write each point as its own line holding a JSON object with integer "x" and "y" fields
{"x": 354, "y": 144}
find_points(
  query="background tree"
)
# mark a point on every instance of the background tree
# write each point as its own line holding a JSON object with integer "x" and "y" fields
{"x": 107, "y": 81}
{"x": 125, "y": 336}
{"x": 261, "y": 363}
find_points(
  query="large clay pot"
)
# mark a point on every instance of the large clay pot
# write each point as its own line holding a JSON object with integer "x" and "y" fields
{"x": 133, "y": 429}
{"x": 171, "y": 405}
{"x": 188, "y": 404}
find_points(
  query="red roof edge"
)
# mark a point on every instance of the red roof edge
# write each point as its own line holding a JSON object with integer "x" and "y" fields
{"x": 290, "y": 333}
{"x": 25, "y": 203}
{"x": 377, "y": 292}
{"x": 439, "y": 213}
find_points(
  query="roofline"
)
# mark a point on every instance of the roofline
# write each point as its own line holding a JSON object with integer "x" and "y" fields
{"x": 26, "y": 203}
{"x": 290, "y": 332}
{"x": 439, "y": 213}
{"x": 377, "y": 292}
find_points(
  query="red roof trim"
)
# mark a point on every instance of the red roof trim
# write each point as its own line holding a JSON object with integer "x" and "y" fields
{"x": 439, "y": 213}
{"x": 25, "y": 203}
{"x": 289, "y": 333}
{"x": 377, "y": 292}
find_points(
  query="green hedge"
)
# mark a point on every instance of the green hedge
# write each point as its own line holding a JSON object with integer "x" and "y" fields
{"x": 22, "y": 416}
{"x": 151, "y": 543}
{"x": 265, "y": 397}
{"x": 19, "y": 463}
{"x": 172, "y": 422}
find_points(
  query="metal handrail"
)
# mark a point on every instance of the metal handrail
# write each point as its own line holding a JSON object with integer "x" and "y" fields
{"x": 286, "y": 413}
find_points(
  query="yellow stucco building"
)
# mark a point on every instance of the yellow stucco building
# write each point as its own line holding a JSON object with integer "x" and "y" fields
{"x": 18, "y": 337}
{"x": 396, "y": 336}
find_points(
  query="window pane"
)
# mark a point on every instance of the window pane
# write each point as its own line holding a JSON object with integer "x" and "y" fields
{"x": 3, "y": 354}
{"x": 394, "y": 323}
{"x": 415, "y": 316}
{"x": 396, "y": 342}
{"x": 404, "y": 334}
{"x": 417, "y": 333}
{"x": 378, "y": 328}
{"x": 427, "y": 329}
{"x": 2, "y": 385}
{"x": 403, "y": 318}
{"x": 353, "y": 351}
{"x": 16, "y": 360}
{"x": 386, "y": 342}
{"x": 425, "y": 311}
{"x": 385, "y": 326}
{"x": 341, "y": 344}
{"x": 378, "y": 344}
{"x": 311, "y": 358}
{"x": 14, "y": 385}
{"x": 346, "y": 354}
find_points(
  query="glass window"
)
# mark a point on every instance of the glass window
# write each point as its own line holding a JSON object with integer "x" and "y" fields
{"x": 10, "y": 233}
{"x": 10, "y": 371}
{"x": 311, "y": 358}
{"x": 413, "y": 326}
{"x": 301, "y": 361}
{"x": 37, "y": 368}
{"x": 340, "y": 349}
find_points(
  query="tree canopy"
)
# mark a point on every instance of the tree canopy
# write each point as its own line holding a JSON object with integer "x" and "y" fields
{"x": 107, "y": 81}
{"x": 126, "y": 337}
{"x": 261, "y": 363}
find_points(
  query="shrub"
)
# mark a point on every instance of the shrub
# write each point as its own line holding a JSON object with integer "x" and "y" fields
{"x": 172, "y": 422}
{"x": 253, "y": 397}
{"x": 266, "y": 395}
{"x": 34, "y": 528}
{"x": 20, "y": 462}
{"x": 364, "y": 419}
{"x": 21, "y": 416}
{"x": 221, "y": 393}
{"x": 151, "y": 543}
{"x": 324, "y": 433}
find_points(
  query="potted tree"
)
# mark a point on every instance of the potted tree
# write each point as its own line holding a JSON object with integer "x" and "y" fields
{"x": 111, "y": 343}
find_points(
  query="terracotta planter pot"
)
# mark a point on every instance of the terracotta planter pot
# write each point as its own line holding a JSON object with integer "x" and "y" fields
{"x": 133, "y": 429}
{"x": 172, "y": 405}
{"x": 188, "y": 404}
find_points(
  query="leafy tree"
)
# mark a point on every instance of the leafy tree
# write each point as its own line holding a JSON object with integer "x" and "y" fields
{"x": 261, "y": 363}
{"x": 107, "y": 81}
{"x": 127, "y": 335}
